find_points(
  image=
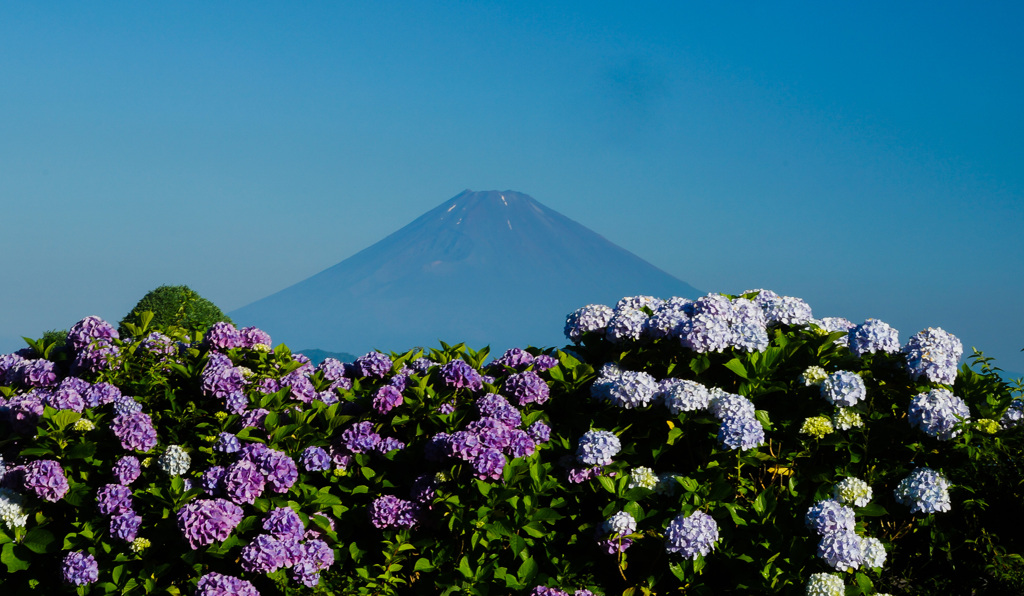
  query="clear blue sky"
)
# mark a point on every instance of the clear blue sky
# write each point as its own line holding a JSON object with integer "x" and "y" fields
{"x": 865, "y": 156}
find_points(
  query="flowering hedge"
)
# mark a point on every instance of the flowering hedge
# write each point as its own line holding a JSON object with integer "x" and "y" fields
{"x": 732, "y": 443}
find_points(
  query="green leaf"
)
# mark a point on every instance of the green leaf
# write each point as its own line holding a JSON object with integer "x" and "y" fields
{"x": 423, "y": 565}
{"x": 65, "y": 418}
{"x": 737, "y": 367}
{"x": 82, "y": 450}
{"x": 38, "y": 540}
{"x": 759, "y": 504}
{"x": 13, "y": 556}
{"x": 464, "y": 568}
{"x": 871, "y": 510}
{"x": 607, "y": 483}
{"x": 527, "y": 570}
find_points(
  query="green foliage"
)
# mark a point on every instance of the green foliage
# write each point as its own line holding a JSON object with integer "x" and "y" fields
{"x": 177, "y": 306}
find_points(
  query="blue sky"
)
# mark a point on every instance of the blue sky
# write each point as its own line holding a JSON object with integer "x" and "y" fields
{"x": 863, "y": 156}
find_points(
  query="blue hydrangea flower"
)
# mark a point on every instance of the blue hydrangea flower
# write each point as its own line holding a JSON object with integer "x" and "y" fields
{"x": 740, "y": 432}
{"x": 933, "y": 354}
{"x": 833, "y": 324}
{"x": 691, "y": 535}
{"x": 843, "y": 388}
{"x": 588, "y": 319}
{"x": 1014, "y": 414}
{"x": 924, "y": 491}
{"x": 841, "y": 550}
{"x": 174, "y": 461}
{"x": 627, "y": 324}
{"x": 632, "y": 389}
{"x": 315, "y": 459}
{"x": 874, "y": 336}
{"x": 704, "y": 332}
{"x": 620, "y": 524}
{"x": 829, "y": 516}
{"x": 938, "y": 413}
{"x": 683, "y": 395}
{"x": 729, "y": 405}
{"x": 787, "y": 310}
{"x": 597, "y": 448}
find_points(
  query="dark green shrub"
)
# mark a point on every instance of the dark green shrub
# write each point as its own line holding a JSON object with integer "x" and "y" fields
{"x": 178, "y": 306}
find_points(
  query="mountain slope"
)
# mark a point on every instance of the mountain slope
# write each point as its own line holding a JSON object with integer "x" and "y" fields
{"x": 485, "y": 268}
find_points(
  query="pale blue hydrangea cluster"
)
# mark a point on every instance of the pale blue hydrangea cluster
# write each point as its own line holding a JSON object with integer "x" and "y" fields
{"x": 874, "y": 336}
{"x": 939, "y": 413}
{"x": 643, "y": 477}
{"x": 683, "y": 395}
{"x": 833, "y": 324}
{"x": 597, "y": 448}
{"x": 787, "y": 310}
{"x": 739, "y": 429}
{"x": 627, "y": 324}
{"x": 691, "y": 535}
{"x": 591, "y": 318}
{"x": 1014, "y": 414}
{"x": 718, "y": 323}
{"x": 852, "y": 491}
{"x": 933, "y": 354}
{"x": 839, "y": 546}
{"x": 843, "y": 388}
{"x": 620, "y": 524}
{"x": 825, "y": 584}
{"x": 924, "y": 491}
{"x": 175, "y": 461}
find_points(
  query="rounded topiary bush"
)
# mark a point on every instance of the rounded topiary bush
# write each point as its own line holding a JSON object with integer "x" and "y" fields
{"x": 178, "y": 306}
{"x": 728, "y": 444}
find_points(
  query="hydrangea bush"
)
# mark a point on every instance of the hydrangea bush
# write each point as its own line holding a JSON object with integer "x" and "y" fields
{"x": 725, "y": 444}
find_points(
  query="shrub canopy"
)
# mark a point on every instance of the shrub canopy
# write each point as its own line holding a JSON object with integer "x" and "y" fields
{"x": 179, "y": 306}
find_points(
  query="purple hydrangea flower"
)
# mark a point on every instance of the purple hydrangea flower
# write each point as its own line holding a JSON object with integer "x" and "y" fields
{"x": 422, "y": 365}
{"x": 101, "y": 394}
{"x": 360, "y": 438}
{"x": 489, "y": 464}
{"x": 465, "y": 445}
{"x": 265, "y": 554}
{"x": 212, "y": 480}
{"x": 874, "y": 336}
{"x": 220, "y": 381}
{"x": 843, "y": 388}
{"x": 227, "y": 443}
{"x": 236, "y": 402}
{"x": 125, "y": 525}
{"x": 389, "y": 511}
{"x": 88, "y": 329}
{"x": 315, "y": 459}
{"x": 388, "y": 444}
{"x": 126, "y": 404}
{"x": 80, "y": 568}
{"x": 597, "y": 448}
{"x": 95, "y": 357}
{"x": 114, "y": 498}
{"x": 516, "y": 358}
{"x": 458, "y": 373}
{"x": 545, "y": 591}
{"x": 222, "y": 336}
{"x": 578, "y": 474}
{"x": 316, "y": 557}
{"x": 38, "y": 373}
{"x": 45, "y": 478}
{"x": 135, "y": 431}
{"x": 387, "y": 398}
{"x": 300, "y": 388}
{"x": 215, "y": 584}
{"x": 539, "y": 432}
{"x": 527, "y": 387}
{"x": 250, "y": 337}
{"x": 283, "y": 522}
{"x": 373, "y": 364}
{"x": 280, "y": 470}
{"x": 691, "y": 535}
{"x": 933, "y": 354}
{"x": 490, "y": 403}
{"x": 332, "y": 369}
{"x": 127, "y": 469}
{"x": 254, "y": 418}
{"x": 243, "y": 482}
{"x": 159, "y": 345}
{"x": 939, "y": 413}
{"x": 206, "y": 521}
{"x": 544, "y": 362}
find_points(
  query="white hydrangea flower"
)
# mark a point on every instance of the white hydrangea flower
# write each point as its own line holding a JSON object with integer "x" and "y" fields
{"x": 83, "y": 425}
{"x": 175, "y": 461}
{"x": 874, "y": 552}
{"x": 643, "y": 477}
{"x": 814, "y": 375}
{"x": 852, "y": 491}
{"x": 825, "y": 584}
{"x": 11, "y": 511}
{"x": 845, "y": 419}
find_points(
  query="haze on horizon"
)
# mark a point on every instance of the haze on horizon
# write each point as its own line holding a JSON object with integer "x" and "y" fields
{"x": 865, "y": 157}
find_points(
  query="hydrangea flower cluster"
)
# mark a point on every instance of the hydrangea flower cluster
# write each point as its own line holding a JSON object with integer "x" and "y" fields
{"x": 852, "y": 491}
{"x": 625, "y": 388}
{"x": 1014, "y": 414}
{"x": 388, "y": 511}
{"x": 175, "y": 461}
{"x": 216, "y": 584}
{"x": 691, "y": 535}
{"x": 12, "y": 514}
{"x": 620, "y": 524}
{"x": 80, "y": 569}
{"x": 939, "y": 413}
{"x": 591, "y": 318}
{"x": 643, "y": 477}
{"x": 813, "y": 376}
{"x": 833, "y": 324}
{"x": 843, "y": 388}
{"x": 818, "y": 427}
{"x": 683, "y": 395}
{"x": 839, "y": 546}
{"x": 222, "y": 336}
{"x": 597, "y": 448}
{"x": 205, "y": 521}
{"x": 825, "y": 584}
{"x": 45, "y": 479}
{"x": 845, "y": 419}
{"x": 924, "y": 491}
{"x": 933, "y": 354}
{"x": 373, "y": 364}
{"x": 458, "y": 374}
{"x": 739, "y": 428}
{"x": 873, "y": 336}
{"x": 135, "y": 431}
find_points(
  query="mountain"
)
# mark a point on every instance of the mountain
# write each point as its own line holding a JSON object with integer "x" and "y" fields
{"x": 485, "y": 268}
